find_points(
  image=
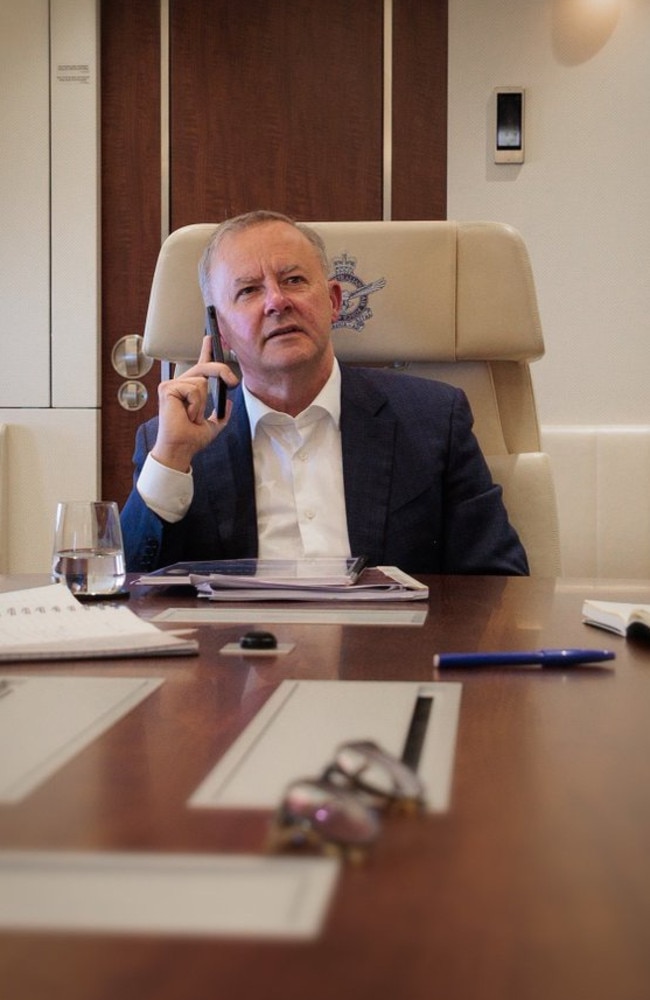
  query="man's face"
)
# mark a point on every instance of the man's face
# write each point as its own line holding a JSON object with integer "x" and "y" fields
{"x": 274, "y": 302}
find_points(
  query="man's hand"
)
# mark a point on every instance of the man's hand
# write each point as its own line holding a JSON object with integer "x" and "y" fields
{"x": 183, "y": 428}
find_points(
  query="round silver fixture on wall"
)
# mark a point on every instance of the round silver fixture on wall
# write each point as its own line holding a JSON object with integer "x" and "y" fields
{"x": 132, "y": 395}
{"x": 128, "y": 358}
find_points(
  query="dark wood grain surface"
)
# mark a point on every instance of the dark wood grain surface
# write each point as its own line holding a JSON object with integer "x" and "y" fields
{"x": 534, "y": 885}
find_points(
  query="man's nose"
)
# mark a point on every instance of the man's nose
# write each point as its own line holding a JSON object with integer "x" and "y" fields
{"x": 276, "y": 300}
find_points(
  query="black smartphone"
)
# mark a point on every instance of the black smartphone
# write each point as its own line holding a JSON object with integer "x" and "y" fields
{"x": 218, "y": 387}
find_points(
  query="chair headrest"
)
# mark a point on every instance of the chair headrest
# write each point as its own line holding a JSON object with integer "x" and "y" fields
{"x": 413, "y": 292}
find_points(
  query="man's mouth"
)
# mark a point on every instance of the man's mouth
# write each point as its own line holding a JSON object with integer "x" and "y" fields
{"x": 281, "y": 331}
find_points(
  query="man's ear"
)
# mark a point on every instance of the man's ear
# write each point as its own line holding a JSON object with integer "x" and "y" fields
{"x": 336, "y": 298}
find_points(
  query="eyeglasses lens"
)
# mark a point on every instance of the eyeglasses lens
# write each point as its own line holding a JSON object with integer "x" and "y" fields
{"x": 318, "y": 813}
{"x": 338, "y": 811}
{"x": 373, "y": 770}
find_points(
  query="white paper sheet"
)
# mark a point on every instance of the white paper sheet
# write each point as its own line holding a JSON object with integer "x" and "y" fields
{"x": 297, "y": 615}
{"x": 49, "y": 623}
{"x": 179, "y": 894}
{"x": 297, "y": 731}
{"x": 45, "y": 720}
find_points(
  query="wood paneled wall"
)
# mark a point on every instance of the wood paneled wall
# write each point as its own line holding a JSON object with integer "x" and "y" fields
{"x": 130, "y": 218}
{"x": 279, "y": 109}
{"x": 419, "y": 157}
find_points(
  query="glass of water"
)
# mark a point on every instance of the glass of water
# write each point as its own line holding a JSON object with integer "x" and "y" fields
{"x": 88, "y": 552}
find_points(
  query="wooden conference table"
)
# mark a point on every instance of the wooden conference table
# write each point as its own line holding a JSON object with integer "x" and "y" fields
{"x": 535, "y": 884}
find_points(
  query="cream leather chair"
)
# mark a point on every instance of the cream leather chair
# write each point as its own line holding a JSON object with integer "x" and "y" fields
{"x": 448, "y": 300}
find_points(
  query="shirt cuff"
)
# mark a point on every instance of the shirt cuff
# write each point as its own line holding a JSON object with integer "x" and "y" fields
{"x": 167, "y": 492}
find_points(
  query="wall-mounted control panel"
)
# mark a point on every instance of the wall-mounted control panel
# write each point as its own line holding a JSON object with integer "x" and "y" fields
{"x": 509, "y": 125}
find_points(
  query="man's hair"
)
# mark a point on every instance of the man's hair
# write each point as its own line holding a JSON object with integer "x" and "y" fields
{"x": 257, "y": 218}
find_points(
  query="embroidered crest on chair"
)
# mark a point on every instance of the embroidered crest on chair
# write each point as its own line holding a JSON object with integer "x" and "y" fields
{"x": 355, "y": 311}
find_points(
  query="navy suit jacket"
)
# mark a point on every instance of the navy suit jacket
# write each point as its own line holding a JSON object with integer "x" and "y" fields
{"x": 418, "y": 492}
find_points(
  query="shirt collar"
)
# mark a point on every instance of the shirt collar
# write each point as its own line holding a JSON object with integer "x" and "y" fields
{"x": 328, "y": 400}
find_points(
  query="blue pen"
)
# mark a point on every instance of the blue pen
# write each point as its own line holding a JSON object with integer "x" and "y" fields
{"x": 539, "y": 658}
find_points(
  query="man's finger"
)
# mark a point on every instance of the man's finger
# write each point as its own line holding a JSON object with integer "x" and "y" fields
{"x": 206, "y": 350}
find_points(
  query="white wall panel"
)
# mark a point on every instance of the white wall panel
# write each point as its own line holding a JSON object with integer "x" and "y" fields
{"x": 24, "y": 204}
{"x": 602, "y": 480}
{"x": 75, "y": 203}
{"x": 50, "y": 455}
{"x": 49, "y": 331}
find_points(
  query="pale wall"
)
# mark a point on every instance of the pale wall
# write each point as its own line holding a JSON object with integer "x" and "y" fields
{"x": 581, "y": 199}
{"x": 49, "y": 267}
{"x": 582, "y": 203}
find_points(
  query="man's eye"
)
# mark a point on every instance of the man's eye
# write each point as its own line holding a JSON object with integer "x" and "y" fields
{"x": 245, "y": 291}
{"x": 296, "y": 279}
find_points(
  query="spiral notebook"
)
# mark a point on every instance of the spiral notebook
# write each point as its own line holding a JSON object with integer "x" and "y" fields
{"x": 49, "y": 623}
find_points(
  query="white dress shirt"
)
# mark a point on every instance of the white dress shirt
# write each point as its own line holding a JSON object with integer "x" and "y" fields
{"x": 298, "y": 478}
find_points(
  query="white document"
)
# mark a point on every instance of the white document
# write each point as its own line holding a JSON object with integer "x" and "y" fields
{"x": 180, "y": 894}
{"x": 298, "y": 615}
{"x": 297, "y": 731}
{"x": 49, "y": 623}
{"x": 46, "y": 720}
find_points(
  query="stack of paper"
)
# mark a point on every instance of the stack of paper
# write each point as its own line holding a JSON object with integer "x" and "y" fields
{"x": 49, "y": 623}
{"x": 616, "y": 616}
{"x": 291, "y": 580}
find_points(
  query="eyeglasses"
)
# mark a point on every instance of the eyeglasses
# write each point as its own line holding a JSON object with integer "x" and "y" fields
{"x": 339, "y": 812}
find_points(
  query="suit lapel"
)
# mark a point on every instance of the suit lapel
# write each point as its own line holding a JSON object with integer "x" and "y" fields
{"x": 368, "y": 441}
{"x": 231, "y": 484}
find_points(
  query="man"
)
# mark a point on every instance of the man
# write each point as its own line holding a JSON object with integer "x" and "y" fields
{"x": 311, "y": 458}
